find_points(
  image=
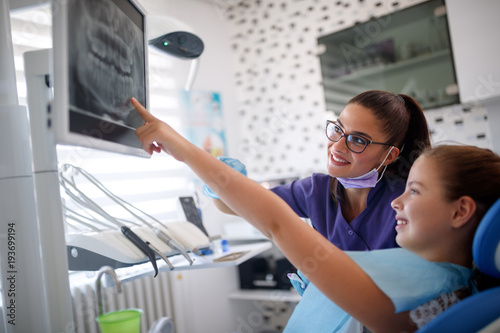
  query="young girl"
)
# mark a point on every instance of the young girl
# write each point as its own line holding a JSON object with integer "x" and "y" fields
{"x": 377, "y": 131}
{"x": 448, "y": 191}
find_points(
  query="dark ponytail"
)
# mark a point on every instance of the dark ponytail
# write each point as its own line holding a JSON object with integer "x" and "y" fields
{"x": 416, "y": 140}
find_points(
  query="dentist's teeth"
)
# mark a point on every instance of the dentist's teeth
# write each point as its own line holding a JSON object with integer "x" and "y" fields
{"x": 338, "y": 160}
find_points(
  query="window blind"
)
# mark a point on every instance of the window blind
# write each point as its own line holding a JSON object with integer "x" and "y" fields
{"x": 150, "y": 184}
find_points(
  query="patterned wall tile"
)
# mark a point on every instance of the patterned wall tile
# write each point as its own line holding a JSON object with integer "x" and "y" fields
{"x": 278, "y": 81}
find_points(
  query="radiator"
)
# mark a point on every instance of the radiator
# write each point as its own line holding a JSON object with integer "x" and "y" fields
{"x": 152, "y": 295}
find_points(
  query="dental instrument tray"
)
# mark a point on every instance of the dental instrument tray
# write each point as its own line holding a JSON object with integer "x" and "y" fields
{"x": 129, "y": 236}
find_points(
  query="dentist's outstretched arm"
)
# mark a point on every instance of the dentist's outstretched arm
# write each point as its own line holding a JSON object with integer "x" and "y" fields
{"x": 329, "y": 268}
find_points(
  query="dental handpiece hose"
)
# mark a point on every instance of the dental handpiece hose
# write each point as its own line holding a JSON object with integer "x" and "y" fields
{"x": 172, "y": 243}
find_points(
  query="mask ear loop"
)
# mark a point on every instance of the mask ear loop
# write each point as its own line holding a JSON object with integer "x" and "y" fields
{"x": 385, "y": 168}
{"x": 401, "y": 150}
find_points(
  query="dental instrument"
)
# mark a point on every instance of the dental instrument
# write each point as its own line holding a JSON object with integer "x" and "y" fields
{"x": 173, "y": 243}
{"x": 161, "y": 255}
{"x": 99, "y": 216}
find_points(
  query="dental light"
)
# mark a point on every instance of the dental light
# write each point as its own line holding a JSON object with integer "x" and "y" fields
{"x": 181, "y": 44}
{"x": 177, "y": 42}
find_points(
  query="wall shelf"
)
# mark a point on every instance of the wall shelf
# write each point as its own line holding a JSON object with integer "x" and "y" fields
{"x": 385, "y": 69}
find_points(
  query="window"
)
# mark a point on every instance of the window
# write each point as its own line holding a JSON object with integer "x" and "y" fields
{"x": 150, "y": 184}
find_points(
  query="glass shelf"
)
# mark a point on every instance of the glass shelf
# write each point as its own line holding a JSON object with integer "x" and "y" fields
{"x": 387, "y": 68}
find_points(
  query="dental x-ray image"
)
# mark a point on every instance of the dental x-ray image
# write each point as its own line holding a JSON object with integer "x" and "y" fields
{"x": 106, "y": 58}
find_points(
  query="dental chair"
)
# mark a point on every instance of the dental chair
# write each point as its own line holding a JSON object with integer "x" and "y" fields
{"x": 479, "y": 312}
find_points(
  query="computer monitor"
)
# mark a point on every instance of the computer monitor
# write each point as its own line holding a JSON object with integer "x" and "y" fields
{"x": 100, "y": 61}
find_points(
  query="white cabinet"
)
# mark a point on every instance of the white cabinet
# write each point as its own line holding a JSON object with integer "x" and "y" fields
{"x": 474, "y": 27}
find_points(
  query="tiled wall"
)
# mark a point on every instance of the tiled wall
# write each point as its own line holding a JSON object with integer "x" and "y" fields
{"x": 281, "y": 108}
{"x": 460, "y": 123}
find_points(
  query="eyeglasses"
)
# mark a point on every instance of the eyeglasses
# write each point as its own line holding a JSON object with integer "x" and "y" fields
{"x": 355, "y": 143}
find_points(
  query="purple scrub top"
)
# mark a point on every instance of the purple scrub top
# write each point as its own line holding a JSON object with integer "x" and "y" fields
{"x": 373, "y": 229}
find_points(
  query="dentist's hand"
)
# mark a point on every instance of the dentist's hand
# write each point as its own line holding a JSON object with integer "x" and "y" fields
{"x": 233, "y": 163}
{"x": 155, "y": 135}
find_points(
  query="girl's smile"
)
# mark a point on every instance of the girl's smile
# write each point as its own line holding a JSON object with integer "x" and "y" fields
{"x": 400, "y": 223}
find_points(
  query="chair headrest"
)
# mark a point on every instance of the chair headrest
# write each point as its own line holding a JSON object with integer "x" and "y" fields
{"x": 486, "y": 245}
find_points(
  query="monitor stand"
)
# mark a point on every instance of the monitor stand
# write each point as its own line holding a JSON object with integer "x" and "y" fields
{"x": 54, "y": 259}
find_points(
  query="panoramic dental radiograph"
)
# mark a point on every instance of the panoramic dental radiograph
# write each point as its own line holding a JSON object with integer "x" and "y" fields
{"x": 106, "y": 61}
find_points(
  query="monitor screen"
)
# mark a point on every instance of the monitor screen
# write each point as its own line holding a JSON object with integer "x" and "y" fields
{"x": 100, "y": 61}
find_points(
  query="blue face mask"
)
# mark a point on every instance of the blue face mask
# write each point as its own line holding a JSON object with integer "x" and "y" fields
{"x": 369, "y": 179}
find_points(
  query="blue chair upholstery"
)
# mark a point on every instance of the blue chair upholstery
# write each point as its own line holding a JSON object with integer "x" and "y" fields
{"x": 477, "y": 311}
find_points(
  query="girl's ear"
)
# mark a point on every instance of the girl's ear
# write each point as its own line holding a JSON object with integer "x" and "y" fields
{"x": 465, "y": 209}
